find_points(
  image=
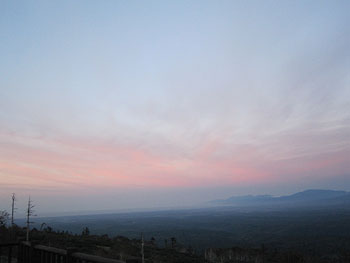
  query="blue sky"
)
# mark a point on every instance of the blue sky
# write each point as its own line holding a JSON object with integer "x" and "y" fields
{"x": 157, "y": 97}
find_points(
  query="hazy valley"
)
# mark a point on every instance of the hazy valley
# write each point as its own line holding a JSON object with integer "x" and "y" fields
{"x": 305, "y": 222}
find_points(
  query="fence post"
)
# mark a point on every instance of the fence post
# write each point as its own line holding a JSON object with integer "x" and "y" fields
{"x": 69, "y": 257}
{"x": 34, "y": 255}
{"x": 19, "y": 260}
{"x": 19, "y": 250}
{"x": 9, "y": 256}
{"x": 24, "y": 254}
{"x": 30, "y": 256}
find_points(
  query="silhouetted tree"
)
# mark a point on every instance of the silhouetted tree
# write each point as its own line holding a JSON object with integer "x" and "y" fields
{"x": 190, "y": 250}
{"x": 30, "y": 213}
{"x": 13, "y": 209}
{"x": 142, "y": 251}
{"x": 86, "y": 231}
{"x": 153, "y": 241}
{"x": 42, "y": 226}
{"x": 173, "y": 242}
{"x": 4, "y": 217}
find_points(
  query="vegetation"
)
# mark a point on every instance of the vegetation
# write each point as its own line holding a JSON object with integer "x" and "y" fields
{"x": 224, "y": 234}
{"x": 123, "y": 248}
{"x": 102, "y": 245}
{"x": 4, "y": 218}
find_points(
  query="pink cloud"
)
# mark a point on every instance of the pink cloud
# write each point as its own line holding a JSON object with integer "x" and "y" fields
{"x": 69, "y": 163}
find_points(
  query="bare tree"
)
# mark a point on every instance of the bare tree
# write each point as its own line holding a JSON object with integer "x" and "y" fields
{"x": 42, "y": 226}
{"x": 13, "y": 209}
{"x": 30, "y": 213}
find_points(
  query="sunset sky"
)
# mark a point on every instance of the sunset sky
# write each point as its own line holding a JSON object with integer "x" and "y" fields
{"x": 132, "y": 104}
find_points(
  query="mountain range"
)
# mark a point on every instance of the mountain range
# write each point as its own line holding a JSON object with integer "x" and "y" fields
{"x": 311, "y": 197}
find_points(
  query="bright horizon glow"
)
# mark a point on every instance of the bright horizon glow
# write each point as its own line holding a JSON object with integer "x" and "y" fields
{"x": 143, "y": 104}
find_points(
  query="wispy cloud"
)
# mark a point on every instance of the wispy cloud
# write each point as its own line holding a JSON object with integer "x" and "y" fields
{"x": 179, "y": 97}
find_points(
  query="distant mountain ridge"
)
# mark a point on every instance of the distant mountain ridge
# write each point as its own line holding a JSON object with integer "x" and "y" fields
{"x": 310, "y": 197}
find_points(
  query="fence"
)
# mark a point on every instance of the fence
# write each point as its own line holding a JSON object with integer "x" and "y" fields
{"x": 7, "y": 251}
{"x": 29, "y": 253}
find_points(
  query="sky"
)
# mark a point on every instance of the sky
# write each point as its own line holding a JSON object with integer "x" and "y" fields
{"x": 140, "y": 104}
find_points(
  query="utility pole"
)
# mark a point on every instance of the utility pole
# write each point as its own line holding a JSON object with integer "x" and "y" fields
{"x": 30, "y": 212}
{"x": 142, "y": 252}
{"x": 13, "y": 209}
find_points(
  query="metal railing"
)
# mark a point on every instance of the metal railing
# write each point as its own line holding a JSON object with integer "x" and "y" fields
{"x": 7, "y": 251}
{"x": 30, "y": 253}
